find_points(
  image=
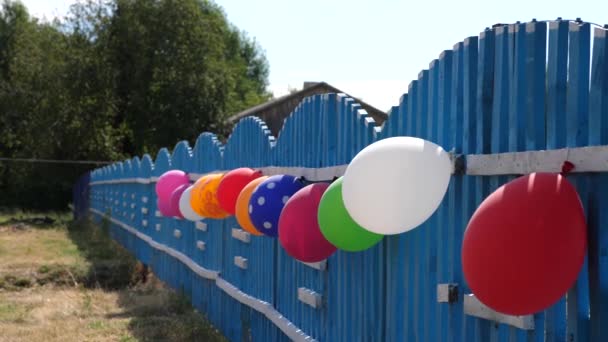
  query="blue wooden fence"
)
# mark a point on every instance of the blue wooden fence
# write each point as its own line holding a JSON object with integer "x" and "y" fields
{"x": 522, "y": 87}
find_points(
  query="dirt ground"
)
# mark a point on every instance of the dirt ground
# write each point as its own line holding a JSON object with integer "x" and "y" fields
{"x": 66, "y": 281}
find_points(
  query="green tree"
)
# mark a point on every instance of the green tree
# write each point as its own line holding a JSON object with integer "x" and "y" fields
{"x": 113, "y": 79}
{"x": 52, "y": 105}
{"x": 182, "y": 69}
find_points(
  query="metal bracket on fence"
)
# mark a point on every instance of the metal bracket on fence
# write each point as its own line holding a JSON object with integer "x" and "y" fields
{"x": 133, "y": 206}
{"x": 158, "y": 213}
{"x": 310, "y": 297}
{"x": 447, "y": 293}
{"x": 132, "y": 217}
{"x": 144, "y": 223}
{"x": 177, "y": 233}
{"x": 132, "y": 196}
{"x": 200, "y": 245}
{"x": 158, "y": 227}
{"x": 458, "y": 163}
{"x": 241, "y": 235}
{"x": 240, "y": 262}
{"x": 144, "y": 199}
{"x": 144, "y": 211}
{"x": 321, "y": 265}
{"x": 201, "y": 226}
{"x": 473, "y": 307}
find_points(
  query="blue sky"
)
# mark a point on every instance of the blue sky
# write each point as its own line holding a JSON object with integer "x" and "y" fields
{"x": 370, "y": 49}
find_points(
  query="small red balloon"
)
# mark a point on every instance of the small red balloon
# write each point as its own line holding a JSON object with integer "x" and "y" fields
{"x": 299, "y": 231}
{"x": 231, "y": 185}
{"x": 525, "y": 245}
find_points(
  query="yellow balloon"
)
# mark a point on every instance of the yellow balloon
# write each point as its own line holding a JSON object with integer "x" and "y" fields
{"x": 195, "y": 198}
{"x": 204, "y": 198}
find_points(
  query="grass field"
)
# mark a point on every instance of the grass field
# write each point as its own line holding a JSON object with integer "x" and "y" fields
{"x": 67, "y": 281}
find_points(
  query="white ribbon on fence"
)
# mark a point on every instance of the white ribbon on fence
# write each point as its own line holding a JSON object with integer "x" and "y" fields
{"x": 585, "y": 159}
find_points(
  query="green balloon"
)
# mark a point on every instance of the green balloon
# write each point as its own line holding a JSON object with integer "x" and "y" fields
{"x": 338, "y": 227}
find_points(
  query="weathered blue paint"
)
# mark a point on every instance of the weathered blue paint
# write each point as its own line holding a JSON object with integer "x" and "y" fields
{"x": 510, "y": 89}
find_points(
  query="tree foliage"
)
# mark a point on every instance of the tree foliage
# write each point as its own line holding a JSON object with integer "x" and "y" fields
{"x": 114, "y": 79}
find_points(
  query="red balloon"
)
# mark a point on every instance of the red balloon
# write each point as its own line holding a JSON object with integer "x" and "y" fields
{"x": 525, "y": 244}
{"x": 299, "y": 231}
{"x": 231, "y": 185}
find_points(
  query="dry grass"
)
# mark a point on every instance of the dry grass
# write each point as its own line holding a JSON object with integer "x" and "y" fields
{"x": 60, "y": 253}
{"x": 29, "y": 248}
{"x": 72, "y": 314}
{"x": 58, "y": 314}
{"x": 50, "y": 290}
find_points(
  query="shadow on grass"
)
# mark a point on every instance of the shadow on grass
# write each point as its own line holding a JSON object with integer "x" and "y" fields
{"x": 155, "y": 312}
{"x": 111, "y": 266}
{"x": 22, "y": 219}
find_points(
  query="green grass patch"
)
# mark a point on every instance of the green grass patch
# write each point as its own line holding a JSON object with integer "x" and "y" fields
{"x": 61, "y": 247}
{"x": 15, "y": 313}
{"x": 127, "y": 338}
{"x": 97, "y": 325}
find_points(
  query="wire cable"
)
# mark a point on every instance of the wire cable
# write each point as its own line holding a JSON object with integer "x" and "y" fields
{"x": 54, "y": 161}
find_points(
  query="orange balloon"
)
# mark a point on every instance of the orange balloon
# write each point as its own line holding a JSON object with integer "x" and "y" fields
{"x": 242, "y": 206}
{"x": 195, "y": 196}
{"x": 206, "y": 198}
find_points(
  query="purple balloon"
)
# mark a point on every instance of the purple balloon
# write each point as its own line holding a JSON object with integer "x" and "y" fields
{"x": 168, "y": 182}
{"x": 164, "y": 207}
{"x": 175, "y": 196}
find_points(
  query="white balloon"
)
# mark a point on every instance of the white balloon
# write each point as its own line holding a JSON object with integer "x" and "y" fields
{"x": 184, "y": 206}
{"x": 396, "y": 184}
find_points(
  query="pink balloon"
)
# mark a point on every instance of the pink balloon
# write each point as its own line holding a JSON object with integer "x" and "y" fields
{"x": 164, "y": 207}
{"x": 168, "y": 182}
{"x": 299, "y": 231}
{"x": 175, "y": 196}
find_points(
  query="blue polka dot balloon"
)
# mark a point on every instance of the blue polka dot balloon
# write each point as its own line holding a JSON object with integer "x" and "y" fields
{"x": 268, "y": 199}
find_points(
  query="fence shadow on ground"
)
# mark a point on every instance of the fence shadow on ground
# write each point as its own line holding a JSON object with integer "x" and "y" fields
{"x": 155, "y": 312}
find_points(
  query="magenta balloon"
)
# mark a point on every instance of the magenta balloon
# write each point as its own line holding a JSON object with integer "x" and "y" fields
{"x": 299, "y": 231}
{"x": 164, "y": 206}
{"x": 168, "y": 182}
{"x": 175, "y": 196}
